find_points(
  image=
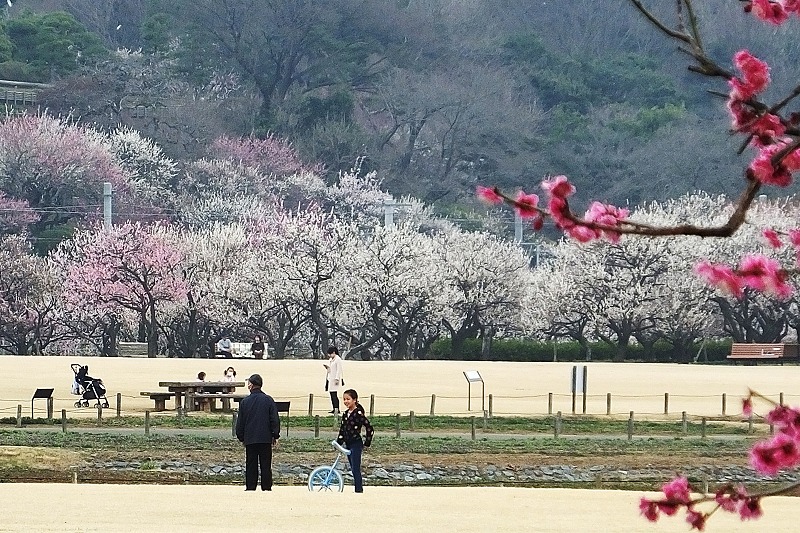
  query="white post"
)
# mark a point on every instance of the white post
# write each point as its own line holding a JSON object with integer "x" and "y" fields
{"x": 518, "y": 230}
{"x": 107, "y": 205}
{"x": 388, "y": 212}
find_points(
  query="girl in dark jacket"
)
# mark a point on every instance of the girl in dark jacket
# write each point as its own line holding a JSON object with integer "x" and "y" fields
{"x": 353, "y": 419}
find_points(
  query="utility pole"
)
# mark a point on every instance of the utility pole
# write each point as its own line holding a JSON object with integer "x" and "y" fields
{"x": 390, "y": 206}
{"x": 388, "y": 212}
{"x": 107, "y": 205}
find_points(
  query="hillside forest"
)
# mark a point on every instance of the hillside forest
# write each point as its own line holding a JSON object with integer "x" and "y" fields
{"x": 437, "y": 96}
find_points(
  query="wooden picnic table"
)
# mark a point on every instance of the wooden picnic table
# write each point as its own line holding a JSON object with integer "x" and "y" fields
{"x": 189, "y": 388}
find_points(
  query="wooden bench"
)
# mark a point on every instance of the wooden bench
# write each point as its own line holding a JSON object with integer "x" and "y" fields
{"x": 160, "y": 398}
{"x": 283, "y": 407}
{"x": 208, "y": 399}
{"x": 132, "y": 349}
{"x": 242, "y": 350}
{"x": 752, "y": 353}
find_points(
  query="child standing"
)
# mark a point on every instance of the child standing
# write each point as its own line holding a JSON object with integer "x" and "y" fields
{"x": 353, "y": 419}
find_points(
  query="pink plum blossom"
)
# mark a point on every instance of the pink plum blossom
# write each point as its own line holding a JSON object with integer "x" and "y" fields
{"x": 648, "y": 509}
{"x": 720, "y": 276}
{"x": 755, "y": 76}
{"x": 607, "y": 215}
{"x": 786, "y": 418}
{"x": 794, "y": 237}
{"x": 765, "y": 171}
{"x": 750, "y": 509}
{"x": 764, "y": 274}
{"x": 15, "y": 214}
{"x": 770, "y": 456}
{"x": 772, "y": 238}
{"x": 677, "y": 490}
{"x": 769, "y": 11}
{"x": 747, "y": 406}
{"x": 526, "y": 205}
{"x": 489, "y": 195}
{"x": 696, "y": 519}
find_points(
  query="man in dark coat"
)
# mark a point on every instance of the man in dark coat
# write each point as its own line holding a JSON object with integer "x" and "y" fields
{"x": 259, "y": 428}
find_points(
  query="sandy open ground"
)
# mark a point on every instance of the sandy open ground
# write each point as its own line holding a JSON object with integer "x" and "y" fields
{"x": 147, "y": 508}
{"x": 517, "y": 388}
{"x": 403, "y": 386}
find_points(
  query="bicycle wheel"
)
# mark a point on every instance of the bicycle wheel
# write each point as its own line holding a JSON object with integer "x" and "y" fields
{"x": 325, "y": 478}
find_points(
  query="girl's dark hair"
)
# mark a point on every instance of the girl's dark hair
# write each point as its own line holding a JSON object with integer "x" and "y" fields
{"x": 333, "y": 349}
{"x": 352, "y": 393}
{"x": 201, "y": 375}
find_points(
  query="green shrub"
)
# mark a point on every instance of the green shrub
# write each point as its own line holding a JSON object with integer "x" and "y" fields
{"x": 522, "y": 350}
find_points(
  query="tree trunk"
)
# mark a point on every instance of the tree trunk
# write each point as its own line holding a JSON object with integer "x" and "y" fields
{"x": 152, "y": 332}
{"x": 400, "y": 347}
{"x": 486, "y": 344}
{"x": 622, "y": 348}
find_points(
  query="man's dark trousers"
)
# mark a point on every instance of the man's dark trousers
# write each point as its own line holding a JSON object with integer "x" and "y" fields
{"x": 255, "y": 455}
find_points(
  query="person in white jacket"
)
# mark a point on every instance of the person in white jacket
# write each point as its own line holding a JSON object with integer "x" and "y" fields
{"x": 334, "y": 379}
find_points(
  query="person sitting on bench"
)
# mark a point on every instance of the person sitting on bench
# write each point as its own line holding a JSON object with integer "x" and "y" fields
{"x": 225, "y": 347}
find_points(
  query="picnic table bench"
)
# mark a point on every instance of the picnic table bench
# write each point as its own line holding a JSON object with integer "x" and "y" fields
{"x": 187, "y": 388}
{"x": 160, "y": 399}
{"x": 208, "y": 400}
{"x": 751, "y": 353}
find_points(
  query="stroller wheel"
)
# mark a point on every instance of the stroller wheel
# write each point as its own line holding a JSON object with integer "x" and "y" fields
{"x": 77, "y": 404}
{"x": 86, "y": 403}
{"x": 106, "y": 405}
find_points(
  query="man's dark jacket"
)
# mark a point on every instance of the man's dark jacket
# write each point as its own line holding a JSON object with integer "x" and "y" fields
{"x": 258, "y": 421}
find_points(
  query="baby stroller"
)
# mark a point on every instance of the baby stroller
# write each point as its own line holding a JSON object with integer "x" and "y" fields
{"x": 88, "y": 387}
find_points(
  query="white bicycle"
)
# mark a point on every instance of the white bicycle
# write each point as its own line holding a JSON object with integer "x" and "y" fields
{"x": 327, "y": 477}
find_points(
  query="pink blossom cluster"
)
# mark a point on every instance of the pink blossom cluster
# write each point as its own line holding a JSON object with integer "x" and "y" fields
{"x": 782, "y": 450}
{"x": 677, "y": 495}
{"x": 774, "y": 11}
{"x": 271, "y": 155}
{"x": 775, "y": 241}
{"x": 57, "y": 154}
{"x": 767, "y": 457}
{"x": 598, "y": 221}
{"x": 132, "y": 264}
{"x": 755, "y": 272}
{"x": 15, "y": 213}
{"x": 776, "y": 160}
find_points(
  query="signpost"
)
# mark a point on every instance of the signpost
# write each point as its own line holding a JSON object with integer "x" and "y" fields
{"x": 473, "y": 376}
{"x": 579, "y": 379}
{"x": 45, "y": 394}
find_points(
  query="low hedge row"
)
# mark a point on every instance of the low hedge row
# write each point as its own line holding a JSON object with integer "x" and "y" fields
{"x": 535, "y": 351}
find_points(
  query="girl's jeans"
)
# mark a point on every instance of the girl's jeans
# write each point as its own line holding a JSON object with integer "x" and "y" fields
{"x": 356, "y": 447}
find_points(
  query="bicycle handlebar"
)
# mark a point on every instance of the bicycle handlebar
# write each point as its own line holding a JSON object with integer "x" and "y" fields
{"x": 340, "y": 447}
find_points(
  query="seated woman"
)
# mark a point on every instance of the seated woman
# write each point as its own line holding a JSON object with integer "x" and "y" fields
{"x": 229, "y": 375}
{"x": 257, "y": 348}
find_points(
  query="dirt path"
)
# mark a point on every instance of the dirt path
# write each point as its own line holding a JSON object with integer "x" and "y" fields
{"x": 54, "y": 508}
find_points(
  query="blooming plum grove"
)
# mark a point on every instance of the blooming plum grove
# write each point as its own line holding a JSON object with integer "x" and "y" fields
{"x": 30, "y": 304}
{"x": 47, "y": 162}
{"x": 132, "y": 267}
